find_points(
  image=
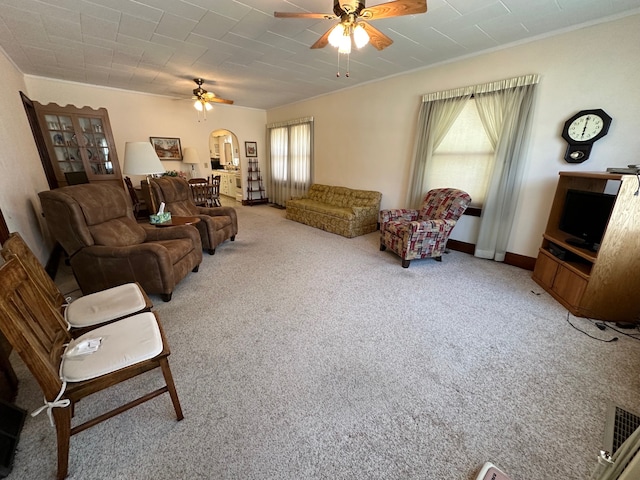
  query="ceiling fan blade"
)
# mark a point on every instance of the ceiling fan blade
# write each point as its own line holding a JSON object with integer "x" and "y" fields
{"x": 394, "y": 9}
{"x": 221, "y": 100}
{"x": 327, "y": 16}
{"x": 210, "y": 97}
{"x": 376, "y": 38}
{"x": 323, "y": 41}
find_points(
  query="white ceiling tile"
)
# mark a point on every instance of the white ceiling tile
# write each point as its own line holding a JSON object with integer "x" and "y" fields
{"x": 134, "y": 8}
{"x": 137, "y": 27}
{"x": 98, "y": 11}
{"x": 178, "y": 8}
{"x": 97, "y": 27}
{"x": 228, "y": 8}
{"x": 214, "y": 25}
{"x": 158, "y": 55}
{"x": 176, "y": 27}
{"x": 254, "y": 24}
{"x": 62, "y": 28}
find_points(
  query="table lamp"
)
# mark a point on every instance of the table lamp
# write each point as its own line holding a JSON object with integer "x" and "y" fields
{"x": 140, "y": 158}
{"x": 190, "y": 155}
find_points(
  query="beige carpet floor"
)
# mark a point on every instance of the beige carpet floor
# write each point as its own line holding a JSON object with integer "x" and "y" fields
{"x": 299, "y": 354}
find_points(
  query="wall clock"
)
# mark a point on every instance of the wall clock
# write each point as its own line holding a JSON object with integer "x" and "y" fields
{"x": 582, "y": 130}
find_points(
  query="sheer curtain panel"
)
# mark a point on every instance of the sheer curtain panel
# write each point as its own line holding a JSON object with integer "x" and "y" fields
{"x": 437, "y": 113}
{"x": 290, "y": 147}
{"x": 505, "y": 109}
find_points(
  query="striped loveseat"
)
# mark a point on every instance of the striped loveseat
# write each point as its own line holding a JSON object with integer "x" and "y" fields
{"x": 340, "y": 210}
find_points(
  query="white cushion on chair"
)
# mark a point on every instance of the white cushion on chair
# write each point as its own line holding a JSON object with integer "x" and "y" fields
{"x": 105, "y": 305}
{"x": 124, "y": 343}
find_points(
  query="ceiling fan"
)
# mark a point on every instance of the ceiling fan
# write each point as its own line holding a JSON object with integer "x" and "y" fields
{"x": 204, "y": 99}
{"x": 202, "y": 96}
{"x": 352, "y": 26}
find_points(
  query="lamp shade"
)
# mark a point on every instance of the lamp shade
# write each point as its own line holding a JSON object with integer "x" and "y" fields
{"x": 190, "y": 155}
{"x": 140, "y": 159}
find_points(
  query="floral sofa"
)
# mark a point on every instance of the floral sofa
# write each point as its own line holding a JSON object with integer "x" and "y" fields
{"x": 340, "y": 210}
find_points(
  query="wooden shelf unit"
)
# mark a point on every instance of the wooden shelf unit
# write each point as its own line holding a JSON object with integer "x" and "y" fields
{"x": 255, "y": 190}
{"x": 603, "y": 285}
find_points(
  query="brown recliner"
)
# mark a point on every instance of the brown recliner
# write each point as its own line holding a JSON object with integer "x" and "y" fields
{"x": 95, "y": 225}
{"x": 216, "y": 224}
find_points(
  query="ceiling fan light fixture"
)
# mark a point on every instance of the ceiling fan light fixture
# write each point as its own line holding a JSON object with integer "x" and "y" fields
{"x": 360, "y": 36}
{"x": 198, "y": 105}
{"x": 345, "y": 45}
{"x": 208, "y": 106}
{"x": 336, "y": 35}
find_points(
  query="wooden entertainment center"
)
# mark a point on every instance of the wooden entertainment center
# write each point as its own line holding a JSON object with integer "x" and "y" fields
{"x": 603, "y": 285}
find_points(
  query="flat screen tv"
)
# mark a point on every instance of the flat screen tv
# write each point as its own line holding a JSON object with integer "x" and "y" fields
{"x": 585, "y": 217}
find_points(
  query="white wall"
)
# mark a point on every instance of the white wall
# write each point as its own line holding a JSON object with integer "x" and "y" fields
{"x": 21, "y": 173}
{"x": 136, "y": 117}
{"x": 364, "y": 136}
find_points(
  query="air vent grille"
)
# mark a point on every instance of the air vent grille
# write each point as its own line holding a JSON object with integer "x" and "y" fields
{"x": 619, "y": 426}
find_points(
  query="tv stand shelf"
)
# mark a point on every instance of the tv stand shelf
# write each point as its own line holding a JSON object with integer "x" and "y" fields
{"x": 603, "y": 285}
{"x": 559, "y": 239}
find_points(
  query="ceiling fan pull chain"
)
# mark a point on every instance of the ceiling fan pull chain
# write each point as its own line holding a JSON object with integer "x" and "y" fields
{"x": 348, "y": 64}
{"x": 338, "y": 74}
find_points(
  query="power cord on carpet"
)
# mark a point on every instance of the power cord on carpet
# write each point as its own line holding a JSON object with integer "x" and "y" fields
{"x": 614, "y": 339}
{"x": 635, "y": 336}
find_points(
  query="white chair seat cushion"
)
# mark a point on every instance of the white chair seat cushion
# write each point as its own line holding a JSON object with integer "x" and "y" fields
{"x": 124, "y": 343}
{"x": 105, "y": 305}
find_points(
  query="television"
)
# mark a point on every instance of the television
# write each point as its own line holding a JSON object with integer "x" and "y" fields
{"x": 585, "y": 217}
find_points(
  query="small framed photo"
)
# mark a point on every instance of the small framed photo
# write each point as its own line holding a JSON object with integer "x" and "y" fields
{"x": 167, "y": 148}
{"x": 251, "y": 149}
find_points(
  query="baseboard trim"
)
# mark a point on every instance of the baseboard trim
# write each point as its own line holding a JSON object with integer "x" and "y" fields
{"x": 520, "y": 261}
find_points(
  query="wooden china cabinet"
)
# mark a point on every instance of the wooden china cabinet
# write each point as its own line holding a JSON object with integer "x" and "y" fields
{"x": 79, "y": 144}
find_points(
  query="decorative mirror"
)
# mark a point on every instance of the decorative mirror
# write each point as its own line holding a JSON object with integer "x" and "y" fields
{"x": 224, "y": 149}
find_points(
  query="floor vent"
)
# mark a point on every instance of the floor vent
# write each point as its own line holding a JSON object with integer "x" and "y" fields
{"x": 619, "y": 426}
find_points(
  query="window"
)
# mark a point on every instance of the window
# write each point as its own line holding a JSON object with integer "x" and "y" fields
{"x": 290, "y": 159}
{"x": 465, "y": 157}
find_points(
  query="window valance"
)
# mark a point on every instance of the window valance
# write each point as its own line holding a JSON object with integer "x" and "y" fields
{"x": 483, "y": 88}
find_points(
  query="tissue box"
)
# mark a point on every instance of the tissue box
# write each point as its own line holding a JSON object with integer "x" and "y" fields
{"x": 160, "y": 217}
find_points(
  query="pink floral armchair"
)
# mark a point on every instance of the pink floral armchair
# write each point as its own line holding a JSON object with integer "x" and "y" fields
{"x": 423, "y": 233}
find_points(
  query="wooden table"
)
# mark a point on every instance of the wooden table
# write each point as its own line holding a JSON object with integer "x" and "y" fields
{"x": 175, "y": 220}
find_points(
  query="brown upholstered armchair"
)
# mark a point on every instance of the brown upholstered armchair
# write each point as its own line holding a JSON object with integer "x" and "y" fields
{"x": 423, "y": 233}
{"x": 216, "y": 225}
{"x": 95, "y": 225}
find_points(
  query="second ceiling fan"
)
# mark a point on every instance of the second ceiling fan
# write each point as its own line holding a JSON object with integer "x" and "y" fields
{"x": 352, "y": 26}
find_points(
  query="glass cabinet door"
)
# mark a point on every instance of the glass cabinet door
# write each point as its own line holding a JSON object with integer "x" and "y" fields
{"x": 59, "y": 129}
{"x": 94, "y": 146}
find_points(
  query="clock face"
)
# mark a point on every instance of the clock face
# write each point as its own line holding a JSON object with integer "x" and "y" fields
{"x": 586, "y": 127}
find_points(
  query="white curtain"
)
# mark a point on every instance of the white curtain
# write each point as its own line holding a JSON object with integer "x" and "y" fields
{"x": 437, "y": 113}
{"x": 290, "y": 147}
{"x": 505, "y": 109}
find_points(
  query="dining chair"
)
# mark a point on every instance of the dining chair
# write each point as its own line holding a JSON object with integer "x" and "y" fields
{"x": 68, "y": 370}
{"x": 89, "y": 310}
{"x": 215, "y": 191}
{"x": 201, "y": 191}
{"x": 138, "y": 204}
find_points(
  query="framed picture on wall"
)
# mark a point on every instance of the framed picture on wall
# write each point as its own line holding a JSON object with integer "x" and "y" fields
{"x": 251, "y": 149}
{"x": 167, "y": 148}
